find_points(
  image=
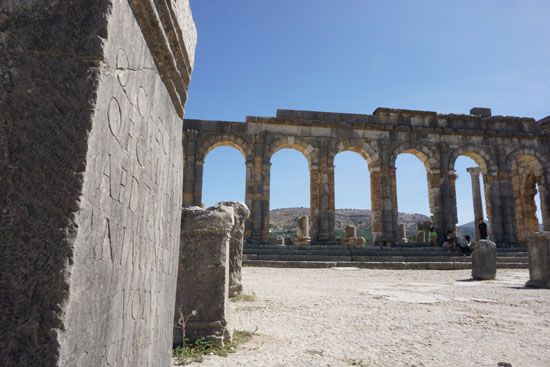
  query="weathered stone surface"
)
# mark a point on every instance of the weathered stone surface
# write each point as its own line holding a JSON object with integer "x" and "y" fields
{"x": 203, "y": 274}
{"x": 511, "y": 152}
{"x": 403, "y": 233}
{"x": 484, "y": 260}
{"x": 538, "y": 245}
{"x": 91, "y": 179}
{"x": 241, "y": 214}
{"x": 421, "y": 237}
{"x": 302, "y": 231}
{"x": 351, "y": 238}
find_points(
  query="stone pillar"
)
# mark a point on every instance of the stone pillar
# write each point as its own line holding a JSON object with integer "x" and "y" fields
{"x": 257, "y": 194}
{"x": 241, "y": 214}
{"x": 202, "y": 298}
{"x": 192, "y": 171}
{"x": 322, "y": 209}
{"x": 350, "y": 231}
{"x": 384, "y": 204}
{"x": 91, "y": 108}
{"x": 484, "y": 260}
{"x": 403, "y": 233}
{"x": 476, "y": 195}
{"x": 302, "y": 231}
{"x": 499, "y": 196}
{"x": 538, "y": 245}
{"x": 441, "y": 186}
{"x": 545, "y": 202}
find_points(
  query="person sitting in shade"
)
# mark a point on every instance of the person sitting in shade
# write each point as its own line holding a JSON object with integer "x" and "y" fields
{"x": 482, "y": 227}
{"x": 464, "y": 245}
{"x": 449, "y": 243}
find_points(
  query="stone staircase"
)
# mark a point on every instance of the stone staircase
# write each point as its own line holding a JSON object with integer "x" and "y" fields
{"x": 403, "y": 256}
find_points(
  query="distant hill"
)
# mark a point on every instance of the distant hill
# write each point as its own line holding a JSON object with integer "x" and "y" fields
{"x": 469, "y": 228}
{"x": 283, "y": 221}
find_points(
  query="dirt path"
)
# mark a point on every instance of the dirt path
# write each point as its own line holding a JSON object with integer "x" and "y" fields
{"x": 350, "y": 317}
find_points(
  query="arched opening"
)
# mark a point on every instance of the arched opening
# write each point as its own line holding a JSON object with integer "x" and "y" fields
{"x": 352, "y": 194}
{"x": 224, "y": 176}
{"x": 468, "y": 172}
{"x": 527, "y": 179}
{"x": 412, "y": 193}
{"x": 289, "y": 197}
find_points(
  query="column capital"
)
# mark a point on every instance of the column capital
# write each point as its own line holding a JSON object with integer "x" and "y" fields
{"x": 474, "y": 171}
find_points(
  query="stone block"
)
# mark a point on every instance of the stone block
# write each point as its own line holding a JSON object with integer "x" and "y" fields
{"x": 203, "y": 275}
{"x": 484, "y": 260}
{"x": 538, "y": 245}
{"x": 241, "y": 214}
{"x": 90, "y": 111}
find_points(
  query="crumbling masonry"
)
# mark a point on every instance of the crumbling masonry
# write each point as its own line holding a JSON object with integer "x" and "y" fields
{"x": 513, "y": 154}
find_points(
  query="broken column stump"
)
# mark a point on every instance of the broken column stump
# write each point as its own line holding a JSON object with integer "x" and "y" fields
{"x": 241, "y": 214}
{"x": 538, "y": 245}
{"x": 91, "y": 161}
{"x": 302, "y": 232}
{"x": 484, "y": 260}
{"x": 351, "y": 238}
{"x": 202, "y": 298}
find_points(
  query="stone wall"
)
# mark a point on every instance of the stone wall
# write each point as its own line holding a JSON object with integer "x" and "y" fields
{"x": 495, "y": 143}
{"x": 91, "y": 180}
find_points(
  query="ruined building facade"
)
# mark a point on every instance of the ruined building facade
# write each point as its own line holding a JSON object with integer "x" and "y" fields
{"x": 513, "y": 154}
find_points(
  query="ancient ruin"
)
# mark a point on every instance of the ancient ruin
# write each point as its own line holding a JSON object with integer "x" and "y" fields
{"x": 202, "y": 304}
{"x": 538, "y": 245}
{"x": 91, "y": 164}
{"x": 512, "y": 154}
{"x": 484, "y": 260}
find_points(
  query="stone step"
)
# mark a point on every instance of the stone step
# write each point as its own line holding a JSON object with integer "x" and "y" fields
{"x": 376, "y": 265}
{"x": 365, "y": 252}
{"x": 309, "y": 257}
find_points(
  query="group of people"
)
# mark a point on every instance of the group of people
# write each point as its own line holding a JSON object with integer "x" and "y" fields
{"x": 451, "y": 242}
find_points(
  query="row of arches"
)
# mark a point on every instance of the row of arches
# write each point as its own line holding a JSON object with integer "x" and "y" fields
{"x": 290, "y": 169}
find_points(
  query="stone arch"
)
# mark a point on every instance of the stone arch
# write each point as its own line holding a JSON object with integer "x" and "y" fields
{"x": 363, "y": 149}
{"x": 310, "y": 153}
{"x": 483, "y": 158}
{"x": 527, "y": 152}
{"x": 528, "y": 172}
{"x": 422, "y": 152}
{"x": 233, "y": 141}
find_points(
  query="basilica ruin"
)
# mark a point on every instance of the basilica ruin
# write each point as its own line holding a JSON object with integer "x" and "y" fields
{"x": 512, "y": 154}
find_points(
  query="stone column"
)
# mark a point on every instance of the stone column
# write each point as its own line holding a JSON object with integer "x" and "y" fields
{"x": 384, "y": 204}
{"x": 192, "y": 171}
{"x": 202, "y": 298}
{"x": 240, "y": 216}
{"x": 257, "y": 194}
{"x": 322, "y": 210}
{"x": 484, "y": 260}
{"x": 538, "y": 245}
{"x": 499, "y": 196}
{"x": 302, "y": 231}
{"x": 91, "y": 108}
{"x": 476, "y": 195}
{"x": 441, "y": 186}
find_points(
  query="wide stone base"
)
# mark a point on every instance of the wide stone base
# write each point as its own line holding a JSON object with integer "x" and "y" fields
{"x": 538, "y": 245}
{"x": 484, "y": 260}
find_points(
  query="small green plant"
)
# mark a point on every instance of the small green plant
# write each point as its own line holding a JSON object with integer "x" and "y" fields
{"x": 195, "y": 350}
{"x": 242, "y": 297}
{"x": 355, "y": 362}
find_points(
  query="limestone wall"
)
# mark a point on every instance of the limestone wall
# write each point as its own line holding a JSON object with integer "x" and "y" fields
{"x": 91, "y": 181}
{"x": 493, "y": 142}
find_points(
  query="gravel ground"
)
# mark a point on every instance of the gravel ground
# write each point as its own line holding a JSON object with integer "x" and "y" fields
{"x": 351, "y": 317}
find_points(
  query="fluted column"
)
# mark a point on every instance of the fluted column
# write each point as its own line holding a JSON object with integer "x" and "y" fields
{"x": 476, "y": 196}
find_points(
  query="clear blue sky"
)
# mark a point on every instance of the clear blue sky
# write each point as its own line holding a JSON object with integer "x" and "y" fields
{"x": 352, "y": 56}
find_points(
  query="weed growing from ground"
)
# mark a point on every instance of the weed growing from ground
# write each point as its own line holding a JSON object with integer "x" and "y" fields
{"x": 195, "y": 350}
